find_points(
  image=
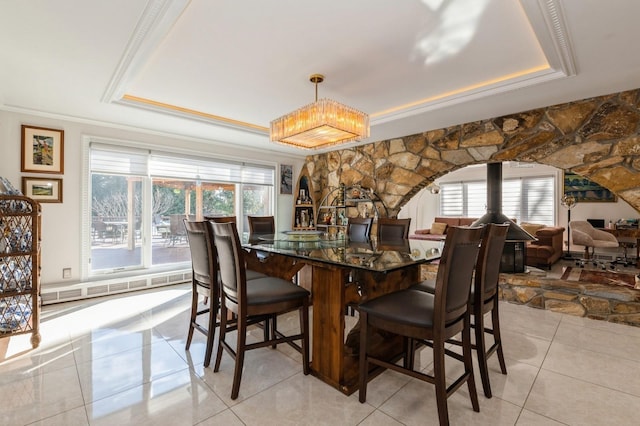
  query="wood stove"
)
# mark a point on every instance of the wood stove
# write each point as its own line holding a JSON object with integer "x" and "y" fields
{"x": 513, "y": 255}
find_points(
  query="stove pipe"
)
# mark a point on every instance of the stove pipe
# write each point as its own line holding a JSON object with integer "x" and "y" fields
{"x": 494, "y": 206}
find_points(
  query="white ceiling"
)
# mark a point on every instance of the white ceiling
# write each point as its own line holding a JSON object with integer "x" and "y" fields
{"x": 221, "y": 70}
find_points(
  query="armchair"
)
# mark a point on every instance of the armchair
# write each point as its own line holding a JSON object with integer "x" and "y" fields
{"x": 547, "y": 249}
{"x": 584, "y": 234}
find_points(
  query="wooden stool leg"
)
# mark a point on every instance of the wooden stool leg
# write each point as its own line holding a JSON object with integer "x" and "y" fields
{"x": 194, "y": 314}
{"x": 211, "y": 335}
{"x": 440, "y": 381}
{"x": 240, "y": 350}
{"x": 495, "y": 320}
{"x": 468, "y": 364}
{"x": 481, "y": 353}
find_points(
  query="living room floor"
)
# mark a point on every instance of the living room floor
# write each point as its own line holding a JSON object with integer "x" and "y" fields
{"x": 558, "y": 268}
{"x": 121, "y": 360}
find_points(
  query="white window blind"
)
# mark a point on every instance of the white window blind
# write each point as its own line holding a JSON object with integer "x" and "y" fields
{"x": 258, "y": 175}
{"x": 113, "y": 159}
{"x": 541, "y": 200}
{"x": 527, "y": 199}
{"x": 118, "y": 160}
{"x": 476, "y": 199}
{"x": 512, "y": 198}
{"x": 190, "y": 168}
{"x": 452, "y": 199}
{"x": 210, "y": 170}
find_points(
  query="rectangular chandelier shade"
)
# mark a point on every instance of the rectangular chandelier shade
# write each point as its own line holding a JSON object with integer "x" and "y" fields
{"x": 319, "y": 125}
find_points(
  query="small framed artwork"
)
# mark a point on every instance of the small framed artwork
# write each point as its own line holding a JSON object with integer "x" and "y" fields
{"x": 286, "y": 179}
{"x": 586, "y": 191}
{"x": 44, "y": 190}
{"x": 42, "y": 150}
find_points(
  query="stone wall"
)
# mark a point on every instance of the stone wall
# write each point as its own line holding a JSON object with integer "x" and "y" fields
{"x": 598, "y": 138}
{"x": 597, "y": 301}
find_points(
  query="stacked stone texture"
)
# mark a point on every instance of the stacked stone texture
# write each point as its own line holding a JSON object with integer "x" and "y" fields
{"x": 597, "y": 301}
{"x": 598, "y": 138}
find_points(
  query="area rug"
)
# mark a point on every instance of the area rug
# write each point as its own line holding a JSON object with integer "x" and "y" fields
{"x": 599, "y": 277}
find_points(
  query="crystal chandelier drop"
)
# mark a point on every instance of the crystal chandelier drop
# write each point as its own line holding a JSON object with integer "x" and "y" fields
{"x": 320, "y": 124}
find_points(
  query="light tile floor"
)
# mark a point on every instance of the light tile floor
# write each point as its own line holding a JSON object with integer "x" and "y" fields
{"x": 121, "y": 361}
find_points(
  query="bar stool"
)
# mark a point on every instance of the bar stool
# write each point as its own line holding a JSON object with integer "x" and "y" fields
{"x": 264, "y": 298}
{"x": 484, "y": 299}
{"x": 429, "y": 318}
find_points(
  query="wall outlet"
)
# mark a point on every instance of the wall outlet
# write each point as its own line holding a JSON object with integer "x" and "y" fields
{"x": 66, "y": 273}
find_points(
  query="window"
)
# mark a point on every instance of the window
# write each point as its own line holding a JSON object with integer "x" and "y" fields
{"x": 465, "y": 199}
{"x": 527, "y": 199}
{"x": 139, "y": 198}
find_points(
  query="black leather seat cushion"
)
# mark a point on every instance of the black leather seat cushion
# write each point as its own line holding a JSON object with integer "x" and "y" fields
{"x": 253, "y": 275}
{"x": 410, "y": 307}
{"x": 270, "y": 290}
{"x": 430, "y": 287}
{"x": 427, "y": 285}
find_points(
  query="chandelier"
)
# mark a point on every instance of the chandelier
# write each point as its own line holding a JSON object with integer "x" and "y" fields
{"x": 320, "y": 124}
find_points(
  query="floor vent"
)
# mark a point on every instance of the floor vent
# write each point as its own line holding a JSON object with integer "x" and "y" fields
{"x": 118, "y": 287}
{"x": 49, "y": 298}
{"x": 137, "y": 284}
{"x": 158, "y": 280}
{"x": 97, "y": 290}
{"x": 68, "y": 292}
{"x": 176, "y": 278}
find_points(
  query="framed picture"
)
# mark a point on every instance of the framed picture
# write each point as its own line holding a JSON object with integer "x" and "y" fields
{"x": 42, "y": 150}
{"x": 286, "y": 179}
{"x": 44, "y": 190}
{"x": 586, "y": 191}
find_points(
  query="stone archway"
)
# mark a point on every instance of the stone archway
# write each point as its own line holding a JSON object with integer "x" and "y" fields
{"x": 598, "y": 138}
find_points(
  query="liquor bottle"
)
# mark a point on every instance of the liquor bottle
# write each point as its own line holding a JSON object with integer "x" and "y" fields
{"x": 341, "y": 195}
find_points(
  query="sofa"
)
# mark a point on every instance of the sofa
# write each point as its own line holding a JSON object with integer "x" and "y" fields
{"x": 547, "y": 249}
{"x": 438, "y": 230}
{"x": 543, "y": 252}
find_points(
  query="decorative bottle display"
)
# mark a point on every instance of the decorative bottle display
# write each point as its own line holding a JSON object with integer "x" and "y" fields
{"x": 303, "y": 197}
{"x": 19, "y": 267}
{"x": 341, "y": 195}
{"x": 344, "y": 202}
{"x": 304, "y": 209}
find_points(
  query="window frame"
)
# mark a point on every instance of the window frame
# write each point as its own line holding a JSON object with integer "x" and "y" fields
{"x": 251, "y": 171}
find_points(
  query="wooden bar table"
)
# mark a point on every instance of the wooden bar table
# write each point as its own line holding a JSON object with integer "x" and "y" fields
{"x": 340, "y": 275}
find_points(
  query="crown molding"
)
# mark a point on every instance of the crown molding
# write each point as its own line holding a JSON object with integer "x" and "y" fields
{"x": 156, "y": 21}
{"x": 548, "y": 24}
{"x": 482, "y": 90}
{"x": 190, "y": 114}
